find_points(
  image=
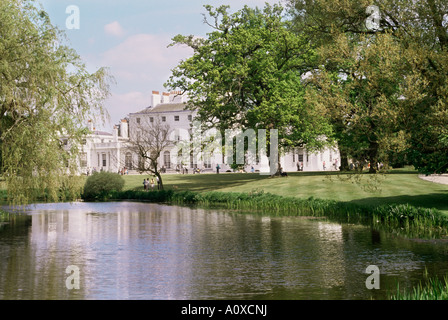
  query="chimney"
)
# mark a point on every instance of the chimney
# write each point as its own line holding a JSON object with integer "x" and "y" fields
{"x": 176, "y": 96}
{"x": 155, "y": 98}
{"x": 90, "y": 126}
{"x": 166, "y": 97}
{"x": 124, "y": 128}
{"x": 115, "y": 133}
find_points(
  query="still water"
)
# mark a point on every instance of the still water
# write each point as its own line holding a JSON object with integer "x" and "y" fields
{"x": 131, "y": 250}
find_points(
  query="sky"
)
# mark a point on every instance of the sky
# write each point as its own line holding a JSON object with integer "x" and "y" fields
{"x": 131, "y": 38}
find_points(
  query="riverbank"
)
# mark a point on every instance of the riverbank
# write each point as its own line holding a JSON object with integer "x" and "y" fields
{"x": 398, "y": 200}
{"x": 398, "y": 186}
{"x": 403, "y": 219}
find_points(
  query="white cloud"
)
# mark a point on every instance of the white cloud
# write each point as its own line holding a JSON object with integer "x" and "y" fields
{"x": 114, "y": 29}
{"x": 120, "y": 105}
{"x": 144, "y": 60}
{"x": 141, "y": 63}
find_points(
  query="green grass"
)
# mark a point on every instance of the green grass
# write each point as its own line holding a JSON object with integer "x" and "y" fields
{"x": 396, "y": 187}
{"x": 432, "y": 289}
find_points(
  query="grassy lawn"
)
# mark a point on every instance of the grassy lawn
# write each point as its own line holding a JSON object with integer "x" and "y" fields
{"x": 398, "y": 186}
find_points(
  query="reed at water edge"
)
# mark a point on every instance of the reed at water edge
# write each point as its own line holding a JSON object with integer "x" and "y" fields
{"x": 403, "y": 219}
{"x": 433, "y": 289}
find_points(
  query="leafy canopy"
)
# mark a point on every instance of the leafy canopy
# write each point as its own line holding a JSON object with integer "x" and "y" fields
{"x": 46, "y": 92}
{"x": 407, "y": 63}
{"x": 247, "y": 74}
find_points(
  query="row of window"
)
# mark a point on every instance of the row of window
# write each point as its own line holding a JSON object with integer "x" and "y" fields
{"x": 102, "y": 160}
{"x": 300, "y": 157}
{"x": 176, "y": 118}
{"x": 167, "y": 161}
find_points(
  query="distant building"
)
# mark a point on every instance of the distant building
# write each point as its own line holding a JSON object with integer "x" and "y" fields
{"x": 104, "y": 151}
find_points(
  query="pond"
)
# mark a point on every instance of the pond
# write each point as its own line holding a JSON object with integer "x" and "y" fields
{"x": 133, "y": 250}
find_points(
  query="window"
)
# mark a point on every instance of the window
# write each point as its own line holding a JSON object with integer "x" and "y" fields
{"x": 176, "y": 118}
{"x": 83, "y": 160}
{"x": 207, "y": 161}
{"x": 192, "y": 162}
{"x": 151, "y": 119}
{"x": 128, "y": 160}
{"x": 190, "y": 117}
{"x": 301, "y": 157}
{"x": 104, "y": 159}
{"x": 167, "y": 159}
{"x": 163, "y": 119}
{"x": 99, "y": 160}
{"x": 138, "y": 120}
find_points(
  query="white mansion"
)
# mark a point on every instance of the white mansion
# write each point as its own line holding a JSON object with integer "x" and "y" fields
{"x": 104, "y": 151}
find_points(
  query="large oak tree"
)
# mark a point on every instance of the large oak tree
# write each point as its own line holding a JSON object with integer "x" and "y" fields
{"x": 248, "y": 74}
{"x": 417, "y": 31}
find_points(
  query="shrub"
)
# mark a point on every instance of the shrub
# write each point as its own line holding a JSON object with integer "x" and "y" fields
{"x": 101, "y": 184}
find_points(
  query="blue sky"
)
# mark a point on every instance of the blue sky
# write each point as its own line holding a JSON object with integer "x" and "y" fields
{"x": 131, "y": 38}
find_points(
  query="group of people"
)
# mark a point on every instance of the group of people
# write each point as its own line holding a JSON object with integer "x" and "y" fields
{"x": 151, "y": 184}
{"x": 123, "y": 171}
{"x": 182, "y": 168}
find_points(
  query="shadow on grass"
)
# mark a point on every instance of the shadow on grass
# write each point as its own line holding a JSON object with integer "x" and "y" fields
{"x": 207, "y": 182}
{"x": 432, "y": 200}
{"x": 338, "y": 173}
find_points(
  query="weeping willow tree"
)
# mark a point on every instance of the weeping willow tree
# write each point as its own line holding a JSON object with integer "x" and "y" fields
{"x": 46, "y": 94}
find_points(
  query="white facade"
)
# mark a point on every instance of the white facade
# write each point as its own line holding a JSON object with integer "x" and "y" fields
{"x": 101, "y": 151}
{"x": 110, "y": 151}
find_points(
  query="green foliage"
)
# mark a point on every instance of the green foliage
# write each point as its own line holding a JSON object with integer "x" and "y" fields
{"x": 247, "y": 74}
{"x": 432, "y": 289}
{"x": 46, "y": 92}
{"x": 404, "y": 220}
{"x": 411, "y": 220}
{"x": 159, "y": 196}
{"x": 385, "y": 90}
{"x": 102, "y": 185}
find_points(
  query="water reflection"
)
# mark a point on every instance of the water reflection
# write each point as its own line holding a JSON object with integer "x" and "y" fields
{"x": 132, "y": 250}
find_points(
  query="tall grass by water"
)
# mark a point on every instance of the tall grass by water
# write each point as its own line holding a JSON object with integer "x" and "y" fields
{"x": 413, "y": 221}
{"x": 400, "y": 219}
{"x": 404, "y": 220}
{"x": 4, "y": 216}
{"x": 432, "y": 289}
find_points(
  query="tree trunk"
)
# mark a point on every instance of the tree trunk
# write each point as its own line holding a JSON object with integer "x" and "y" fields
{"x": 344, "y": 160}
{"x": 279, "y": 166}
{"x": 160, "y": 183}
{"x": 373, "y": 156}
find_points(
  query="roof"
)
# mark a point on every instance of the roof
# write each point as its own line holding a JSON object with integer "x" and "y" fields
{"x": 164, "y": 107}
{"x": 102, "y": 133}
